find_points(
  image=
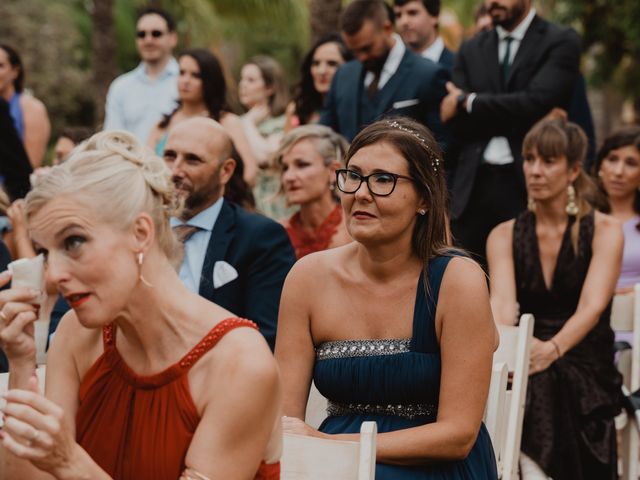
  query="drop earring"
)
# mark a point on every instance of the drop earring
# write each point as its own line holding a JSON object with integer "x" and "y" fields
{"x": 531, "y": 204}
{"x": 572, "y": 207}
{"x": 140, "y": 262}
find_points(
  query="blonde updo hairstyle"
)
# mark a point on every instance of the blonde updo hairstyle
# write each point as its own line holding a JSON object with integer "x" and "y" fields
{"x": 119, "y": 178}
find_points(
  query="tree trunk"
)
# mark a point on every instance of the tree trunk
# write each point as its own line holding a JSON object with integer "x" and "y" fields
{"x": 324, "y": 17}
{"x": 104, "y": 52}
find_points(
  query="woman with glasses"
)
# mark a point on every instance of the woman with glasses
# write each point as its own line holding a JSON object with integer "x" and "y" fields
{"x": 361, "y": 320}
{"x": 560, "y": 260}
{"x": 308, "y": 158}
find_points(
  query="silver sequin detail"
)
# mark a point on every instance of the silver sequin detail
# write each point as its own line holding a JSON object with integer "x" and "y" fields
{"x": 409, "y": 411}
{"x": 361, "y": 348}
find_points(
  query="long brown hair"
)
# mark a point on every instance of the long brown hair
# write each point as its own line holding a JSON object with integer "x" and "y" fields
{"x": 560, "y": 138}
{"x": 431, "y": 236}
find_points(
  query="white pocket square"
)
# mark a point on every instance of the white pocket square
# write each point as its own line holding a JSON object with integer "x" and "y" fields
{"x": 223, "y": 273}
{"x": 406, "y": 103}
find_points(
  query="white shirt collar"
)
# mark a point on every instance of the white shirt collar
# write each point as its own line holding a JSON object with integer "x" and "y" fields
{"x": 434, "y": 51}
{"x": 391, "y": 64}
{"x": 518, "y": 32}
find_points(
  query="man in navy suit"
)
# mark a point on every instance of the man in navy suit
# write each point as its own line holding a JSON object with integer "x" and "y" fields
{"x": 385, "y": 79}
{"x": 417, "y": 24}
{"x": 234, "y": 258}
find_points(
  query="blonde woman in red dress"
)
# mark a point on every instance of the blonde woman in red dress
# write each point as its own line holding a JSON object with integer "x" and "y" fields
{"x": 308, "y": 158}
{"x": 145, "y": 379}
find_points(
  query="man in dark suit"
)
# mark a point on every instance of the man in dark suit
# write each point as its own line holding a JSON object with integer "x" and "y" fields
{"x": 385, "y": 79}
{"x": 234, "y": 258}
{"x": 504, "y": 81}
{"x": 417, "y": 24}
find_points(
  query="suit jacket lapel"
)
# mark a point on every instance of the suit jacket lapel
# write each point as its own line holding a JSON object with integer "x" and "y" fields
{"x": 221, "y": 236}
{"x": 530, "y": 43}
{"x": 386, "y": 95}
{"x": 351, "y": 92}
{"x": 491, "y": 61}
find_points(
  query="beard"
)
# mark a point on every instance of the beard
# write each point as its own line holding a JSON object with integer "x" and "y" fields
{"x": 507, "y": 18}
{"x": 375, "y": 64}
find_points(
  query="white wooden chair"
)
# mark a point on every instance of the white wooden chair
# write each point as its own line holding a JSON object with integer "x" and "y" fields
{"x": 316, "y": 410}
{"x": 494, "y": 414}
{"x": 310, "y": 458}
{"x": 515, "y": 343}
{"x": 625, "y": 317}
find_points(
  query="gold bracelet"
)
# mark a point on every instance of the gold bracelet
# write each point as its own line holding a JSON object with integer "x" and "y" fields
{"x": 556, "y": 347}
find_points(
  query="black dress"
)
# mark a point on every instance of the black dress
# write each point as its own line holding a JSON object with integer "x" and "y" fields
{"x": 568, "y": 423}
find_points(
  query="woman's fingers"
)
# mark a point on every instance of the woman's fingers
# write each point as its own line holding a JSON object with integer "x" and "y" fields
{"x": 28, "y": 415}
{"x": 17, "y": 326}
{"x": 36, "y": 401}
{"x": 22, "y": 295}
{"x": 26, "y": 433}
{"x": 22, "y": 450}
{"x": 5, "y": 277}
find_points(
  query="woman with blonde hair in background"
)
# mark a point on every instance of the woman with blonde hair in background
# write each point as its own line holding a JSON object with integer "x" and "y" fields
{"x": 308, "y": 159}
{"x": 145, "y": 379}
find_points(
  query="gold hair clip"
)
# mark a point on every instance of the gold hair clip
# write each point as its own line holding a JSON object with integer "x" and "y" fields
{"x": 435, "y": 161}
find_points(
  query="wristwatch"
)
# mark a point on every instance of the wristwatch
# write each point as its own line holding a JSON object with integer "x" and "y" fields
{"x": 461, "y": 101}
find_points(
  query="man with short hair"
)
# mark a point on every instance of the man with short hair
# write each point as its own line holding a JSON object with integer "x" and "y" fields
{"x": 504, "y": 81}
{"x": 385, "y": 79}
{"x": 234, "y": 258}
{"x": 417, "y": 24}
{"x": 137, "y": 99}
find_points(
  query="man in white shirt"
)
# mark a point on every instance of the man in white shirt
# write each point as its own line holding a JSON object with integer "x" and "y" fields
{"x": 417, "y": 23}
{"x": 385, "y": 79}
{"x": 504, "y": 80}
{"x": 137, "y": 99}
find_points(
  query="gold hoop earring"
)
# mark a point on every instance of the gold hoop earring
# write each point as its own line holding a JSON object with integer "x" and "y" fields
{"x": 531, "y": 204}
{"x": 572, "y": 207}
{"x": 140, "y": 262}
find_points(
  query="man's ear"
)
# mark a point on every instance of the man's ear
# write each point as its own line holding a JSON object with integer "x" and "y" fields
{"x": 227, "y": 168}
{"x": 143, "y": 231}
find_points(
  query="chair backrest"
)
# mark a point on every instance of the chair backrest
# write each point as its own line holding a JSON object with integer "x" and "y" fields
{"x": 310, "y": 458}
{"x": 316, "y": 410}
{"x": 515, "y": 344}
{"x": 625, "y": 317}
{"x": 494, "y": 414}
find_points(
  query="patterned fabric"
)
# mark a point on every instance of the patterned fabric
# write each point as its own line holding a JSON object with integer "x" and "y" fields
{"x": 305, "y": 243}
{"x": 568, "y": 424}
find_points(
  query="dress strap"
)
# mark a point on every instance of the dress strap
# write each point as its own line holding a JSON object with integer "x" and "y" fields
{"x": 424, "y": 316}
{"x": 212, "y": 338}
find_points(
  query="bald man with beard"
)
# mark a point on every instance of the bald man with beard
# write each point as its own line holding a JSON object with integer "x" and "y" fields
{"x": 234, "y": 258}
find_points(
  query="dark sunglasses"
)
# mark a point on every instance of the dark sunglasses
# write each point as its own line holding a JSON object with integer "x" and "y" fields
{"x": 153, "y": 33}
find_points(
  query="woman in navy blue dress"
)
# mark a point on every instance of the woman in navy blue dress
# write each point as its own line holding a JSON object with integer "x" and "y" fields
{"x": 395, "y": 327}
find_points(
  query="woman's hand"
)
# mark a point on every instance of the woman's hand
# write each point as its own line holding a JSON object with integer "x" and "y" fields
{"x": 298, "y": 427}
{"x": 543, "y": 354}
{"x": 16, "y": 322}
{"x": 17, "y": 216}
{"x": 34, "y": 429}
{"x": 258, "y": 113}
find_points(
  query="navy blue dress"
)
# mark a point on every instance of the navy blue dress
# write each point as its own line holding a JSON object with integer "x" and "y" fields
{"x": 396, "y": 383}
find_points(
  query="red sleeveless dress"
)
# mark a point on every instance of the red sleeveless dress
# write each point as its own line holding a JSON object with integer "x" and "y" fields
{"x": 140, "y": 427}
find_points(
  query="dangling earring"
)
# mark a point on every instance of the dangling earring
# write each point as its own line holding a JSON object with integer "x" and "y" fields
{"x": 531, "y": 204}
{"x": 422, "y": 212}
{"x": 332, "y": 186}
{"x": 140, "y": 262}
{"x": 572, "y": 207}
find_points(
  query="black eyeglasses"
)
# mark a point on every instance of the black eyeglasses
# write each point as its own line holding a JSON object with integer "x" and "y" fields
{"x": 153, "y": 33}
{"x": 381, "y": 184}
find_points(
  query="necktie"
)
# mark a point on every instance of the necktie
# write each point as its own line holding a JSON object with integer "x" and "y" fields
{"x": 506, "y": 60}
{"x": 184, "y": 231}
{"x": 373, "y": 86}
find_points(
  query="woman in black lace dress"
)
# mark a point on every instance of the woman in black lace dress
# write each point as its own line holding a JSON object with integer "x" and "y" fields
{"x": 560, "y": 261}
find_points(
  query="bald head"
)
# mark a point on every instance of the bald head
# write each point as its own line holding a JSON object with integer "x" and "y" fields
{"x": 198, "y": 153}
